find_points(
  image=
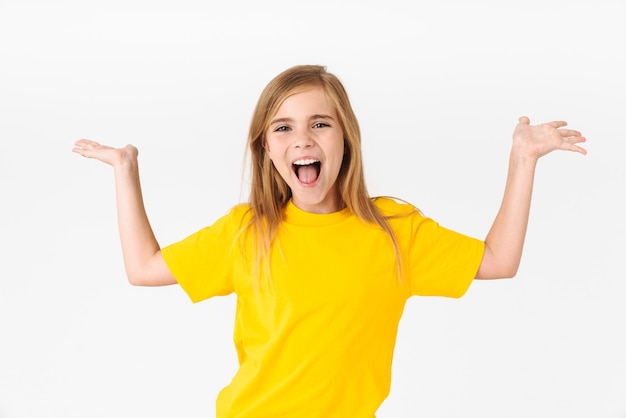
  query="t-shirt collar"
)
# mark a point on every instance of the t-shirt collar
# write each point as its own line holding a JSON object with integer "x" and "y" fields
{"x": 295, "y": 215}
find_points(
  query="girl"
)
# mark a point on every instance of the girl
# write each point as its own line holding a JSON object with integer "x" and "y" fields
{"x": 321, "y": 270}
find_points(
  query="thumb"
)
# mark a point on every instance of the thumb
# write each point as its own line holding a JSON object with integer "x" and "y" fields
{"x": 524, "y": 120}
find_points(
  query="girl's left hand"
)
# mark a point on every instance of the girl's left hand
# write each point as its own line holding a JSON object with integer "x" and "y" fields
{"x": 535, "y": 141}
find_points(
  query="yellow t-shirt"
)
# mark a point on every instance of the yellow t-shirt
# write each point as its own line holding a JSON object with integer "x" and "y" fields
{"x": 317, "y": 339}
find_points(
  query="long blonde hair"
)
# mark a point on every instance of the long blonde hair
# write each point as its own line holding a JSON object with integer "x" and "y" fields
{"x": 269, "y": 193}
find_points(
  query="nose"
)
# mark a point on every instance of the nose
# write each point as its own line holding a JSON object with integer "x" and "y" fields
{"x": 303, "y": 139}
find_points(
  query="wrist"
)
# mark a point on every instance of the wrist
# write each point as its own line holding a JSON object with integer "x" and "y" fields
{"x": 524, "y": 153}
{"x": 125, "y": 158}
{"x": 125, "y": 162}
{"x": 522, "y": 158}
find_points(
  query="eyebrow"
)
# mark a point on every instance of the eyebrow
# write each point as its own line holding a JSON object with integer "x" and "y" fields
{"x": 313, "y": 117}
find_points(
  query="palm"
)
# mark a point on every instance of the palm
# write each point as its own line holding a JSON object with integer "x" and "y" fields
{"x": 539, "y": 140}
{"x": 106, "y": 154}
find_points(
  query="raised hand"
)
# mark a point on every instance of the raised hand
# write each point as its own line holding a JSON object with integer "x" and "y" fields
{"x": 142, "y": 255}
{"x": 106, "y": 154}
{"x": 505, "y": 240}
{"x": 535, "y": 141}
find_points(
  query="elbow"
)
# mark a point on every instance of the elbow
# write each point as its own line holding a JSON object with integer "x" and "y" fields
{"x": 490, "y": 270}
{"x": 498, "y": 265}
{"x": 508, "y": 273}
{"x": 134, "y": 281}
{"x": 510, "y": 269}
{"x": 149, "y": 275}
{"x": 136, "y": 278}
{"x": 505, "y": 271}
{"x": 496, "y": 274}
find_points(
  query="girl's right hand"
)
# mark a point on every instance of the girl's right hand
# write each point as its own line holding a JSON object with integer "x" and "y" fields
{"x": 112, "y": 156}
{"x": 143, "y": 260}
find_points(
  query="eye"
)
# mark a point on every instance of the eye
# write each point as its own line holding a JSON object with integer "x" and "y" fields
{"x": 320, "y": 125}
{"x": 281, "y": 129}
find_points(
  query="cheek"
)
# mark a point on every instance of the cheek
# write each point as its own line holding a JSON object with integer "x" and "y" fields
{"x": 272, "y": 149}
{"x": 269, "y": 154}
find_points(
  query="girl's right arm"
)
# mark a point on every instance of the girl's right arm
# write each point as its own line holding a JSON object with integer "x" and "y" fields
{"x": 142, "y": 255}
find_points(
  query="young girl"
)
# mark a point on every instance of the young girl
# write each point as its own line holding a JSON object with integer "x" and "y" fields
{"x": 321, "y": 270}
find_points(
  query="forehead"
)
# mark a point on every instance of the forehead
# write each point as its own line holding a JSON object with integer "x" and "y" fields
{"x": 307, "y": 102}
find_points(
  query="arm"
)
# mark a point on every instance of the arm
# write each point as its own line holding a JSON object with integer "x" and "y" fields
{"x": 505, "y": 240}
{"x": 142, "y": 255}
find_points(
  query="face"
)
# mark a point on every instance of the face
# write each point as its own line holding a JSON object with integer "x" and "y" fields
{"x": 305, "y": 143}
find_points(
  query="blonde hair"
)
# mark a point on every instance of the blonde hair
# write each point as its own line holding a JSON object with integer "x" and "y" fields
{"x": 269, "y": 193}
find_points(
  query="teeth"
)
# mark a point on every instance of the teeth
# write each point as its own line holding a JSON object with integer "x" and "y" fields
{"x": 305, "y": 162}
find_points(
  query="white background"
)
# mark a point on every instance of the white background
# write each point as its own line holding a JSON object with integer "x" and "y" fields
{"x": 438, "y": 88}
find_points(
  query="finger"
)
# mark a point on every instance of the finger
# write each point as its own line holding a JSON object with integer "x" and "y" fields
{"x": 84, "y": 149}
{"x": 569, "y": 133}
{"x": 557, "y": 123}
{"x": 81, "y": 151}
{"x": 575, "y": 148}
{"x": 575, "y": 139}
{"x": 87, "y": 148}
{"x": 84, "y": 143}
{"x": 524, "y": 120}
{"x": 569, "y": 144}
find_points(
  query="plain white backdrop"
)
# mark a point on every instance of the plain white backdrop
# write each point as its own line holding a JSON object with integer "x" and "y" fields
{"x": 437, "y": 87}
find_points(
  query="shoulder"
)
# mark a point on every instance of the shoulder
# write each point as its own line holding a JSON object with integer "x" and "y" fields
{"x": 239, "y": 215}
{"x": 231, "y": 221}
{"x": 393, "y": 207}
{"x": 224, "y": 229}
{"x": 242, "y": 210}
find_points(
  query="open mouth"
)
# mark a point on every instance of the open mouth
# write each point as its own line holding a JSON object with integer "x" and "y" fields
{"x": 307, "y": 170}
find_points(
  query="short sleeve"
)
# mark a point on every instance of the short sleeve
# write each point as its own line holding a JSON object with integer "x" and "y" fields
{"x": 203, "y": 262}
{"x": 442, "y": 262}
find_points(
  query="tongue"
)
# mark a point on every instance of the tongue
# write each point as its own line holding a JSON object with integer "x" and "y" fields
{"x": 307, "y": 173}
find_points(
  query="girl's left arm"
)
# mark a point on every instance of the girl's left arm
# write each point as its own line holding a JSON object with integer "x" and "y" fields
{"x": 505, "y": 240}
